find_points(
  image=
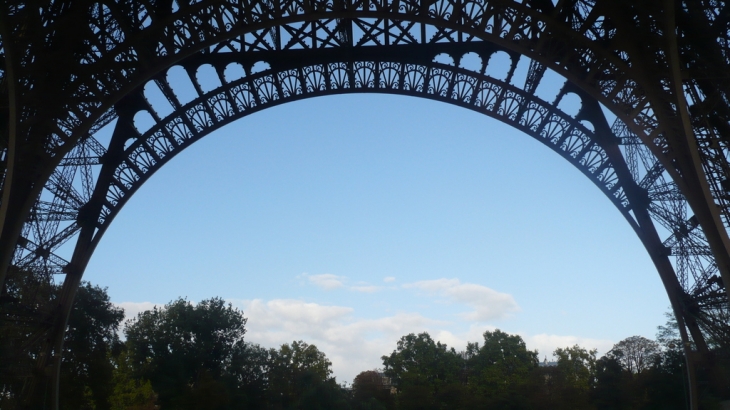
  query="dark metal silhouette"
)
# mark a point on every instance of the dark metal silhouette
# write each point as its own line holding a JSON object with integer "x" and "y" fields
{"x": 71, "y": 68}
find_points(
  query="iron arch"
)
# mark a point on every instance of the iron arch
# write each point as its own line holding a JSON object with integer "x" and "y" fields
{"x": 147, "y": 149}
{"x": 136, "y": 151}
{"x": 373, "y": 46}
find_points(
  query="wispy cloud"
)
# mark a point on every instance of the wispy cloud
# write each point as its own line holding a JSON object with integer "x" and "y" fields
{"x": 352, "y": 344}
{"x": 326, "y": 281}
{"x": 388, "y": 279}
{"x": 365, "y": 288}
{"x": 488, "y": 304}
{"x": 355, "y": 344}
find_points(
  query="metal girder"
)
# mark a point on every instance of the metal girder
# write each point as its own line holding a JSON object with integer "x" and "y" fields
{"x": 663, "y": 163}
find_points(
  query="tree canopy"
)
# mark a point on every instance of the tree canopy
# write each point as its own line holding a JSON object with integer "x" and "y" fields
{"x": 91, "y": 338}
{"x": 194, "y": 356}
{"x": 501, "y": 370}
{"x": 636, "y": 353}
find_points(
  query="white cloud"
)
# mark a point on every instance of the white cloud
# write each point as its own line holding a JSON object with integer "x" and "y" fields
{"x": 365, "y": 288}
{"x": 355, "y": 344}
{"x": 326, "y": 281}
{"x": 352, "y": 344}
{"x": 388, "y": 279}
{"x": 487, "y": 303}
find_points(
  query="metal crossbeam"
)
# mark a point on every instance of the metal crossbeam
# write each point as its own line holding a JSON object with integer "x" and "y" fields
{"x": 660, "y": 68}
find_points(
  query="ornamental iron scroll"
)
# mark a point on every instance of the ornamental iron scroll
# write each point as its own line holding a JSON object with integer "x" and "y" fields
{"x": 660, "y": 68}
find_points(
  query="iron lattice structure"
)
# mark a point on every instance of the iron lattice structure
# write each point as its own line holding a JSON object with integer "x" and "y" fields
{"x": 71, "y": 68}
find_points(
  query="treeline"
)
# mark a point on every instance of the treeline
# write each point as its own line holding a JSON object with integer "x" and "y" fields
{"x": 501, "y": 373}
{"x": 180, "y": 356}
{"x": 194, "y": 356}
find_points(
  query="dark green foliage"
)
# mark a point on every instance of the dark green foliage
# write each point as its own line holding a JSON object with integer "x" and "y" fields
{"x": 23, "y": 299}
{"x": 130, "y": 393}
{"x": 575, "y": 376}
{"x": 504, "y": 374}
{"x": 428, "y": 375}
{"x": 91, "y": 339}
{"x": 86, "y": 379}
{"x": 185, "y": 356}
{"x": 371, "y": 390}
{"x": 322, "y": 396}
{"x": 300, "y": 378}
{"x": 501, "y": 370}
{"x": 610, "y": 392}
{"x": 195, "y": 356}
{"x": 663, "y": 385}
{"x": 422, "y": 371}
{"x": 635, "y": 353}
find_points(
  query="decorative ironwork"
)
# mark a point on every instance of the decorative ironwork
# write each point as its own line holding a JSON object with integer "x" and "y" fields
{"x": 660, "y": 68}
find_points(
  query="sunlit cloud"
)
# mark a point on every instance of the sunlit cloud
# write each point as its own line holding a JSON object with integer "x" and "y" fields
{"x": 326, "y": 281}
{"x": 365, "y": 288}
{"x": 487, "y": 303}
{"x": 354, "y": 343}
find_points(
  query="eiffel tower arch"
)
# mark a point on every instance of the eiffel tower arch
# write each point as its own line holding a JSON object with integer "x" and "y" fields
{"x": 71, "y": 68}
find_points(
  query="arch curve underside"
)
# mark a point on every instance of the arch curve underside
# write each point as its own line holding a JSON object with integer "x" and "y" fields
{"x": 239, "y": 61}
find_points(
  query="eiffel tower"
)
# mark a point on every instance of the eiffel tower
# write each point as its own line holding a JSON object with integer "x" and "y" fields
{"x": 70, "y": 68}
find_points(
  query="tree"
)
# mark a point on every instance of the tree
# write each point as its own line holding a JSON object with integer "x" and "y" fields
{"x": 371, "y": 391}
{"x": 193, "y": 355}
{"x": 610, "y": 391}
{"x": 575, "y": 376}
{"x": 26, "y": 294}
{"x": 90, "y": 342}
{"x": 662, "y": 386}
{"x": 635, "y": 353}
{"x": 668, "y": 334}
{"x": 299, "y": 377}
{"x": 130, "y": 393}
{"x": 250, "y": 367}
{"x": 426, "y": 373}
{"x": 501, "y": 370}
{"x": 718, "y": 368}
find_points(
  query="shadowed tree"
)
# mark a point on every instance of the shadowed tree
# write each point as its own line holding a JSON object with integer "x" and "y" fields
{"x": 130, "y": 393}
{"x": 427, "y": 374}
{"x": 194, "y": 355}
{"x": 501, "y": 371}
{"x": 671, "y": 362}
{"x": 574, "y": 376}
{"x": 371, "y": 390}
{"x": 612, "y": 383}
{"x": 299, "y": 377}
{"x": 90, "y": 342}
{"x": 635, "y": 353}
{"x": 23, "y": 289}
{"x": 662, "y": 386}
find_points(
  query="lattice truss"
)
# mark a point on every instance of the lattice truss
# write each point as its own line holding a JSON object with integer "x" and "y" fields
{"x": 239, "y": 57}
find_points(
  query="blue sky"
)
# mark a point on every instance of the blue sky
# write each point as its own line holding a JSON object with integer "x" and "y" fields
{"x": 349, "y": 221}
